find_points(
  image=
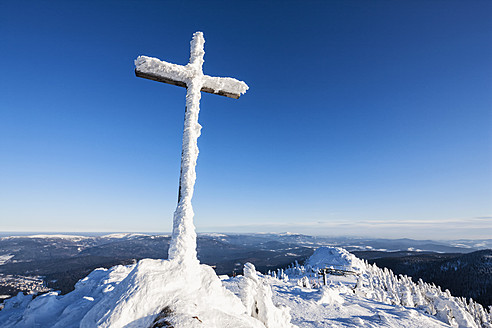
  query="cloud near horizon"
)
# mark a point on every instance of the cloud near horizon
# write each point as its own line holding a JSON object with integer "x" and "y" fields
{"x": 454, "y": 228}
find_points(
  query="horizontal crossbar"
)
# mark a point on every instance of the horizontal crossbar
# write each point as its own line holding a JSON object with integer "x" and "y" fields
{"x": 160, "y": 78}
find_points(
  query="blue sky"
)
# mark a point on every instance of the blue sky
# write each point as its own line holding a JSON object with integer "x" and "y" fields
{"x": 362, "y": 118}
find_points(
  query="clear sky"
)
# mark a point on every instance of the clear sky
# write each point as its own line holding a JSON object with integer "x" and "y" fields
{"x": 365, "y": 118}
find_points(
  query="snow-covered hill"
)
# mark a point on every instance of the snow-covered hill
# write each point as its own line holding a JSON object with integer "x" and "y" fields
{"x": 371, "y": 287}
{"x": 164, "y": 293}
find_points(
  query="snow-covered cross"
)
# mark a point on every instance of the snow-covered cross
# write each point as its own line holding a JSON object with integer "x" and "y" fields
{"x": 183, "y": 241}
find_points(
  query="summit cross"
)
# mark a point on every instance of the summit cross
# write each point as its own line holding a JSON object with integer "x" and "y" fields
{"x": 183, "y": 240}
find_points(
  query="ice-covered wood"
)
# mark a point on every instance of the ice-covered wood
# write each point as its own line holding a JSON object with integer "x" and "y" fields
{"x": 161, "y": 71}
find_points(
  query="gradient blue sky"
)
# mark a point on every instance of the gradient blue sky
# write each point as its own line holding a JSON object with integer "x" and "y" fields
{"x": 362, "y": 118}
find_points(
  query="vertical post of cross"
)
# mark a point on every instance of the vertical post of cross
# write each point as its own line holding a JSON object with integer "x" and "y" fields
{"x": 184, "y": 234}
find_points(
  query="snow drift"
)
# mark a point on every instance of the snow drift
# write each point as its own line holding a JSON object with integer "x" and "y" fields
{"x": 140, "y": 295}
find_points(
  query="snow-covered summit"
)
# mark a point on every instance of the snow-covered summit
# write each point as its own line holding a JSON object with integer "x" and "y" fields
{"x": 124, "y": 235}
{"x": 149, "y": 293}
{"x": 74, "y": 238}
{"x": 336, "y": 258}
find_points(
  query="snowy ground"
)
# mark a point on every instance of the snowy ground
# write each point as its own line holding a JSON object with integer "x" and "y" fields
{"x": 338, "y": 306}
